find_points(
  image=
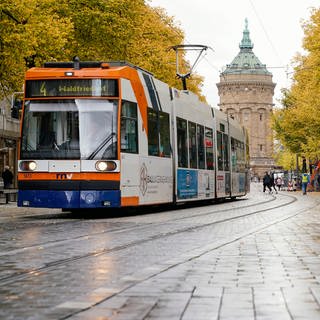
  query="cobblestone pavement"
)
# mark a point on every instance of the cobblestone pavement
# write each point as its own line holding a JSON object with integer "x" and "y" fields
{"x": 265, "y": 266}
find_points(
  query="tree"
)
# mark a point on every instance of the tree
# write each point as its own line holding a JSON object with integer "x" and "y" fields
{"x": 32, "y": 32}
{"x": 29, "y": 34}
{"x": 286, "y": 159}
{"x": 297, "y": 125}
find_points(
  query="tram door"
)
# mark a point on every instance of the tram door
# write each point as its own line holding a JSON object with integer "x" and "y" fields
{"x": 223, "y": 179}
{"x": 156, "y": 183}
{"x": 237, "y": 158}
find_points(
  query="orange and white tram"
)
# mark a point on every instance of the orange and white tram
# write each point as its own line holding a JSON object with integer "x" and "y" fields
{"x": 97, "y": 135}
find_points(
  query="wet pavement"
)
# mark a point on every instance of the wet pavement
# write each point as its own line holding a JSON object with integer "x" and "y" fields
{"x": 265, "y": 265}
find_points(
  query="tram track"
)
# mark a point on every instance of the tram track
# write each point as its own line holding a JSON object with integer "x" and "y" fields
{"x": 23, "y": 274}
{"x": 172, "y": 218}
{"x": 142, "y": 276}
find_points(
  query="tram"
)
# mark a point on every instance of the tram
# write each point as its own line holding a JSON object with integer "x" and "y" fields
{"x": 98, "y": 135}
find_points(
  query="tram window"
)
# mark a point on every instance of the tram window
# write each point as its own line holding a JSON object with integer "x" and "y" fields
{"x": 192, "y": 145}
{"x": 98, "y": 128}
{"x": 243, "y": 156}
{"x": 129, "y": 127}
{"x": 226, "y": 152}
{"x": 153, "y": 135}
{"x": 237, "y": 155}
{"x": 220, "y": 150}
{"x": 182, "y": 143}
{"x": 164, "y": 128}
{"x": 234, "y": 154}
{"x": 209, "y": 148}
{"x": 158, "y": 133}
{"x": 201, "y": 153}
{"x": 70, "y": 129}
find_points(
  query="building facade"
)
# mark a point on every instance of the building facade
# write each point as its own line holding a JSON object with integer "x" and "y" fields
{"x": 9, "y": 136}
{"x": 246, "y": 93}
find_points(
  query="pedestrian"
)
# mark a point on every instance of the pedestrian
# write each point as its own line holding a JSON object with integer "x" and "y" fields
{"x": 304, "y": 180}
{"x": 272, "y": 184}
{"x": 7, "y": 177}
{"x": 279, "y": 183}
{"x": 294, "y": 184}
{"x": 266, "y": 182}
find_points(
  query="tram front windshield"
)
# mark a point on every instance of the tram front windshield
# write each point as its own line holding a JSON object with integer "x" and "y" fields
{"x": 70, "y": 129}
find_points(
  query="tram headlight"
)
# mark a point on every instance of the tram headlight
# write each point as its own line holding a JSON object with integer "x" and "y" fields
{"x": 106, "y": 165}
{"x": 28, "y": 165}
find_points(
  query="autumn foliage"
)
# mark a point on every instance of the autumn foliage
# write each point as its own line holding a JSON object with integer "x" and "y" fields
{"x": 33, "y": 32}
{"x": 297, "y": 124}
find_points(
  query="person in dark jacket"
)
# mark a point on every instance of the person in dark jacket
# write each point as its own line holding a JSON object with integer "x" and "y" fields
{"x": 272, "y": 183}
{"x": 266, "y": 182}
{"x": 7, "y": 177}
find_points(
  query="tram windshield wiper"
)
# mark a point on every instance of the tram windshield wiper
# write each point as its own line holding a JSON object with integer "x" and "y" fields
{"x": 101, "y": 145}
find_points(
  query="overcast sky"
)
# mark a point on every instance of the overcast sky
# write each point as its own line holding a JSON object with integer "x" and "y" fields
{"x": 274, "y": 25}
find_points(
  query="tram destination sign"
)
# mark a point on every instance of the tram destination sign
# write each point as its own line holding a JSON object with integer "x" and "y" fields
{"x": 72, "y": 88}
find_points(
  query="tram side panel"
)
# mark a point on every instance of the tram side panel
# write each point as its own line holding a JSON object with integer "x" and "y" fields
{"x": 146, "y": 178}
{"x": 193, "y": 148}
{"x": 132, "y": 141}
{"x": 156, "y": 170}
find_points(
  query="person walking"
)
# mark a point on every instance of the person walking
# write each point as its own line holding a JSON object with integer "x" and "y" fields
{"x": 279, "y": 183}
{"x": 7, "y": 177}
{"x": 304, "y": 180}
{"x": 266, "y": 182}
{"x": 272, "y": 183}
{"x": 294, "y": 184}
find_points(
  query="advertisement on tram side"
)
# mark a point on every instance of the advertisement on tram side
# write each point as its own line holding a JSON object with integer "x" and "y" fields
{"x": 156, "y": 181}
{"x": 187, "y": 184}
{"x": 206, "y": 184}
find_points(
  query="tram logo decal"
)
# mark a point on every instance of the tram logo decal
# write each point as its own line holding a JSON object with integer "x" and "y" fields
{"x": 155, "y": 180}
{"x": 143, "y": 179}
{"x": 63, "y": 176}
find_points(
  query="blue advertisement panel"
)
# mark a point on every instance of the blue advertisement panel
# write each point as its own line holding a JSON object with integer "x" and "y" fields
{"x": 187, "y": 184}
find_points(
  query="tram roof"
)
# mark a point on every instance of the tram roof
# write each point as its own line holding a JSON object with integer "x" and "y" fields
{"x": 77, "y": 65}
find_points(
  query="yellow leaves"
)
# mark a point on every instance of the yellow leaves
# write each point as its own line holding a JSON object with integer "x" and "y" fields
{"x": 33, "y": 32}
{"x": 311, "y": 40}
{"x": 286, "y": 160}
{"x": 298, "y": 125}
{"x": 30, "y": 36}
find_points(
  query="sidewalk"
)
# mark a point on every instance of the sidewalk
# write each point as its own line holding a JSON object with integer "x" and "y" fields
{"x": 270, "y": 274}
{"x": 11, "y": 209}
